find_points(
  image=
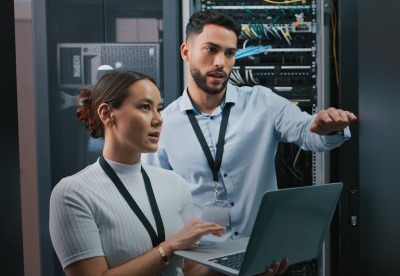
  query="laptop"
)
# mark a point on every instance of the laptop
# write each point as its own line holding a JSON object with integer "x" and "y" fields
{"x": 291, "y": 223}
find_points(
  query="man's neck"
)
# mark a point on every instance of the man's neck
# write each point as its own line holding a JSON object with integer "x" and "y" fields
{"x": 205, "y": 102}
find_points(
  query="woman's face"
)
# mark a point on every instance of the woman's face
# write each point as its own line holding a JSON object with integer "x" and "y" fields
{"x": 137, "y": 122}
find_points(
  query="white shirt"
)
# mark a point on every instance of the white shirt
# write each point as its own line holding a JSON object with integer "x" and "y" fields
{"x": 89, "y": 217}
{"x": 259, "y": 120}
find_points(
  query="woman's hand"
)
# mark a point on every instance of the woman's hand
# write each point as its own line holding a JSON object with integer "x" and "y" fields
{"x": 190, "y": 234}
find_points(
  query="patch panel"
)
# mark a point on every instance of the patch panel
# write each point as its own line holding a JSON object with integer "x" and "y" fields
{"x": 288, "y": 32}
{"x": 285, "y": 36}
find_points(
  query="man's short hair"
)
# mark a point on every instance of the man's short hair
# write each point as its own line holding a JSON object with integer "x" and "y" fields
{"x": 221, "y": 18}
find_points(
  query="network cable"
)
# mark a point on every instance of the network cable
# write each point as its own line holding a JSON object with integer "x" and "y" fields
{"x": 252, "y": 51}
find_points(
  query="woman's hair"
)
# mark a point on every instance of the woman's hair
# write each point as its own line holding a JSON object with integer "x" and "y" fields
{"x": 111, "y": 88}
{"x": 221, "y": 18}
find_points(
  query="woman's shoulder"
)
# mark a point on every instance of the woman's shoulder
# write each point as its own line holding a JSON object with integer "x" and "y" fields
{"x": 163, "y": 174}
{"x": 160, "y": 171}
{"x": 76, "y": 181}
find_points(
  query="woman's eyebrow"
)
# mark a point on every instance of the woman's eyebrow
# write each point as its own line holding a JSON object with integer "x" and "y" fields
{"x": 149, "y": 101}
{"x": 145, "y": 100}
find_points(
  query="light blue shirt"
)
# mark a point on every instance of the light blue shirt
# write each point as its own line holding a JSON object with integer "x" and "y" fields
{"x": 259, "y": 119}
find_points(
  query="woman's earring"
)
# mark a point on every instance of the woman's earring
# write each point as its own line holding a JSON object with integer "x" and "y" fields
{"x": 111, "y": 123}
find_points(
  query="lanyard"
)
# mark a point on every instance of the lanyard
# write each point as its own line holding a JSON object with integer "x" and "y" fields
{"x": 155, "y": 239}
{"x": 214, "y": 165}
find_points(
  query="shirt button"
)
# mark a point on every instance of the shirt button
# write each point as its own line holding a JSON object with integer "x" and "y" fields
{"x": 236, "y": 233}
{"x": 232, "y": 203}
{"x": 225, "y": 175}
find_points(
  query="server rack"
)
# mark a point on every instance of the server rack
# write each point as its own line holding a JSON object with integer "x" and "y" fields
{"x": 285, "y": 46}
{"x": 72, "y": 38}
{"x": 12, "y": 239}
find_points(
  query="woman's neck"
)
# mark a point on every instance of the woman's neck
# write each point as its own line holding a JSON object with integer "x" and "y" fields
{"x": 121, "y": 156}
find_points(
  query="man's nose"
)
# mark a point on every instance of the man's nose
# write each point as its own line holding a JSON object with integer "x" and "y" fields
{"x": 219, "y": 60}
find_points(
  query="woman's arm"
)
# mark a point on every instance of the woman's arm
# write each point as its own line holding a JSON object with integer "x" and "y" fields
{"x": 151, "y": 262}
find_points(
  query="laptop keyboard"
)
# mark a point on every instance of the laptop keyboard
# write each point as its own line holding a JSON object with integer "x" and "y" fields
{"x": 233, "y": 261}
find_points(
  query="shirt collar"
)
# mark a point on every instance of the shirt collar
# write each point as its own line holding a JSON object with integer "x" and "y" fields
{"x": 230, "y": 97}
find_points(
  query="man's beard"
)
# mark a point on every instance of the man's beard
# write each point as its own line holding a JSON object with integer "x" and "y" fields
{"x": 201, "y": 82}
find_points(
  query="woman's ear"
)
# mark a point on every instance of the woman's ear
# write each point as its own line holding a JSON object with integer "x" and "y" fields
{"x": 104, "y": 112}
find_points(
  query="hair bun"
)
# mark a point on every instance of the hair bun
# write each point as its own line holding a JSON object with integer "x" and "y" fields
{"x": 83, "y": 111}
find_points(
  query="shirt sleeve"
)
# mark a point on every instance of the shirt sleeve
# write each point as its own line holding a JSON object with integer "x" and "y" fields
{"x": 187, "y": 212}
{"x": 293, "y": 126}
{"x": 73, "y": 230}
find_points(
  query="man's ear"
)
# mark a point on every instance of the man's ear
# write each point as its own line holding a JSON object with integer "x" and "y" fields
{"x": 104, "y": 112}
{"x": 185, "y": 50}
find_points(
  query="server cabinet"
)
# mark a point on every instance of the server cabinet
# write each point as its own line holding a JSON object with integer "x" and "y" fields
{"x": 369, "y": 225}
{"x": 286, "y": 46}
{"x": 10, "y": 192}
{"x": 73, "y": 41}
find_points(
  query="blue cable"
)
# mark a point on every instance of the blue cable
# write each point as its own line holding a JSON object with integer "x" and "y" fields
{"x": 251, "y": 51}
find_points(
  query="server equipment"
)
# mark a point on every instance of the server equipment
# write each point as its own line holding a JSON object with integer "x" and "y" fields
{"x": 78, "y": 63}
{"x": 283, "y": 46}
{"x": 277, "y": 46}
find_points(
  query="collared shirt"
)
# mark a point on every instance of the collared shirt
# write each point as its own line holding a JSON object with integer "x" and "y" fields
{"x": 259, "y": 120}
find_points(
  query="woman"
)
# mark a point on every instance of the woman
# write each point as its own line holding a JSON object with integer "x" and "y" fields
{"x": 118, "y": 217}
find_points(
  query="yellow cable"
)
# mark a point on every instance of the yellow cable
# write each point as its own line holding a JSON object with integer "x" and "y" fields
{"x": 285, "y": 1}
{"x": 333, "y": 22}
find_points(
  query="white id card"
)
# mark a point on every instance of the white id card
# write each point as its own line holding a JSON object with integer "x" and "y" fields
{"x": 216, "y": 211}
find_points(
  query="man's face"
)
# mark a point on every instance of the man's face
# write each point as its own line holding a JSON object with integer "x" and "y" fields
{"x": 211, "y": 56}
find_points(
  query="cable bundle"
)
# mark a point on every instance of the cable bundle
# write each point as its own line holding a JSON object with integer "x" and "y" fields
{"x": 251, "y": 51}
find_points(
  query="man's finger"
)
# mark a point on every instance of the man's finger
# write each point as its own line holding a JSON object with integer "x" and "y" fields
{"x": 272, "y": 270}
{"x": 283, "y": 267}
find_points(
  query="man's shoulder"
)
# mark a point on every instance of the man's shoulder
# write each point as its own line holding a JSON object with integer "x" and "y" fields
{"x": 257, "y": 93}
{"x": 172, "y": 108}
{"x": 253, "y": 89}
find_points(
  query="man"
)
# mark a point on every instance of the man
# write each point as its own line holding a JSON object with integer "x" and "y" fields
{"x": 229, "y": 172}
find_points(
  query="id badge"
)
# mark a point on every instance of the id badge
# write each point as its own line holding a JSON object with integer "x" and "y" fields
{"x": 216, "y": 211}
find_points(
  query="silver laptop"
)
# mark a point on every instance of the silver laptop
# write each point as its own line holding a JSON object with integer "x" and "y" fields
{"x": 291, "y": 223}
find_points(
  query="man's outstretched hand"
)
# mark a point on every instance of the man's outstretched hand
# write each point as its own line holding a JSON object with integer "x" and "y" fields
{"x": 331, "y": 120}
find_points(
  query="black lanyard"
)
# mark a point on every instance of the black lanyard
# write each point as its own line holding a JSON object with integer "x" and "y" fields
{"x": 155, "y": 239}
{"x": 214, "y": 165}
